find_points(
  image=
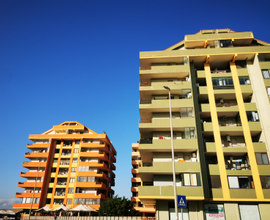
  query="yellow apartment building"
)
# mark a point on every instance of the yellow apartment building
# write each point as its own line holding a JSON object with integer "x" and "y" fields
{"x": 220, "y": 87}
{"x": 68, "y": 165}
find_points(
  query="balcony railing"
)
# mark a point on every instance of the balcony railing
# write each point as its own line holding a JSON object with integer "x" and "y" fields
{"x": 146, "y": 141}
{"x": 59, "y": 193}
{"x": 61, "y": 183}
{"x": 226, "y": 104}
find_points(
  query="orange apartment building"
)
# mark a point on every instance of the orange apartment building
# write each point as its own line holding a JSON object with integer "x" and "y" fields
{"x": 147, "y": 208}
{"x": 69, "y": 164}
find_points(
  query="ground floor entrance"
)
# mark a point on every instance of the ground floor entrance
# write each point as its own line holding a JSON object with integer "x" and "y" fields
{"x": 199, "y": 210}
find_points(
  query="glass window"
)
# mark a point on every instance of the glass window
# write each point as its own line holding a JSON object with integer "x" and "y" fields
{"x": 244, "y": 80}
{"x": 268, "y": 91}
{"x": 214, "y": 211}
{"x": 262, "y": 158}
{"x": 183, "y": 112}
{"x": 76, "y": 150}
{"x": 248, "y": 212}
{"x": 69, "y": 201}
{"x": 190, "y": 133}
{"x": 265, "y": 180}
{"x": 266, "y": 74}
{"x": 222, "y": 82}
{"x": 236, "y": 182}
{"x": 190, "y": 179}
{"x": 72, "y": 180}
{"x": 75, "y": 160}
{"x": 215, "y": 181}
{"x": 70, "y": 190}
{"x": 186, "y": 112}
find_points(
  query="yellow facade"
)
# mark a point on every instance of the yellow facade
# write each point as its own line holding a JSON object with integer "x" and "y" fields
{"x": 69, "y": 165}
{"x": 219, "y": 82}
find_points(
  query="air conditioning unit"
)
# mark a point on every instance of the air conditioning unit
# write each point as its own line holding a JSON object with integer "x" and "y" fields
{"x": 228, "y": 138}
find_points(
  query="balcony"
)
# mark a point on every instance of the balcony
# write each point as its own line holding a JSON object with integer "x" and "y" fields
{"x": 198, "y": 40}
{"x": 34, "y": 164}
{"x": 90, "y": 185}
{"x": 69, "y": 127}
{"x": 27, "y": 195}
{"x": 25, "y": 206}
{"x": 243, "y": 193}
{"x": 94, "y": 164}
{"x": 166, "y": 167}
{"x": 135, "y": 171}
{"x": 160, "y": 192}
{"x": 163, "y": 104}
{"x": 155, "y": 86}
{"x": 168, "y": 69}
{"x": 136, "y": 180}
{"x": 264, "y": 169}
{"x": 101, "y": 156}
{"x": 32, "y": 174}
{"x": 89, "y": 196}
{"x": 59, "y": 193}
{"x": 213, "y": 169}
{"x": 237, "y": 148}
{"x": 161, "y": 124}
{"x": 92, "y": 145}
{"x": 165, "y": 144}
{"x": 134, "y": 189}
{"x": 36, "y": 155}
{"x": 38, "y": 145}
{"x": 30, "y": 184}
{"x": 230, "y": 128}
{"x": 64, "y": 163}
{"x": 259, "y": 147}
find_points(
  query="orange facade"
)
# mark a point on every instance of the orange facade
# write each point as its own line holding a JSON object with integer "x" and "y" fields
{"x": 68, "y": 164}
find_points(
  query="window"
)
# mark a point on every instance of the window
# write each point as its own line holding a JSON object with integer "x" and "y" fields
{"x": 261, "y": 158}
{"x": 222, "y": 82}
{"x": 87, "y": 201}
{"x": 215, "y": 181}
{"x": 268, "y": 91}
{"x": 214, "y": 211}
{"x": 72, "y": 180}
{"x": 70, "y": 190}
{"x": 265, "y": 181}
{"x": 77, "y": 141}
{"x": 190, "y": 133}
{"x": 186, "y": 94}
{"x": 252, "y": 116}
{"x": 75, "y": 160}
{"x": 248, "y": 212}
{"x": 73, "y": 169}
{"x": 186, "y": 112}
{"x": 266, "y": 74}
{"x": 236, "y": 182}
{"x": 244, "y": 80}
{"x": 85, "y": 179}
{"x": 69, "y": 201}
{"x": 29, "y": 200}
{"x": 76, "y": 150}
{"x": 190, "y": 179}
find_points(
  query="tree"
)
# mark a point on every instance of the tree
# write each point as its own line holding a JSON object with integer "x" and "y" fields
{"x": 117, "y": 206}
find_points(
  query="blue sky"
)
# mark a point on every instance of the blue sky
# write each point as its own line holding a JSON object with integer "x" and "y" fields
{"x": 79, "y": 60}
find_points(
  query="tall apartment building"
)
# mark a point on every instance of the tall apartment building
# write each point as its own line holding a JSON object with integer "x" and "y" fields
{"x": 220, "y": 88}
{"x": 69, "y": 164}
